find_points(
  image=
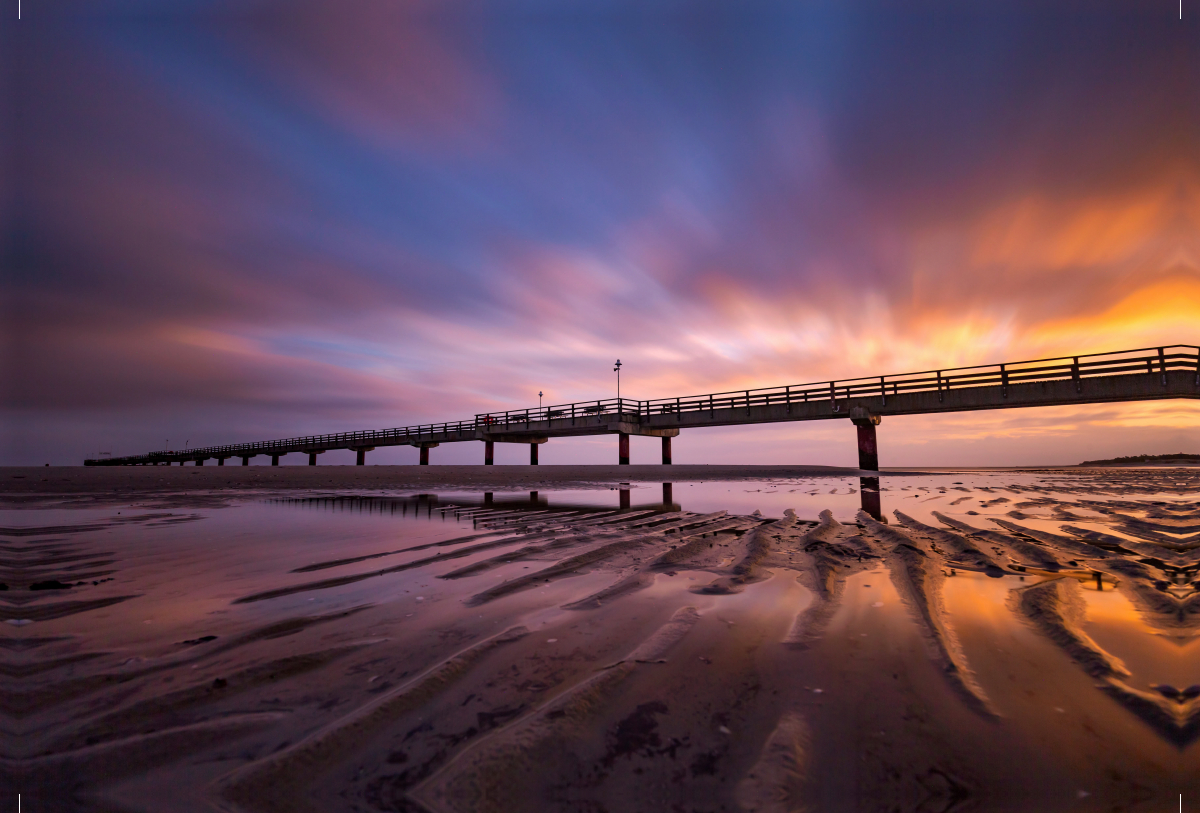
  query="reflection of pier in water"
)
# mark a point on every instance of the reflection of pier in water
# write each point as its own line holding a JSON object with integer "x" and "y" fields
{"x": 868, "y": 489}
{"x": 427, "y": 505}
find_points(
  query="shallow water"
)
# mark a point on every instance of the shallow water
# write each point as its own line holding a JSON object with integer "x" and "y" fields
{"x": 340, "y": 650}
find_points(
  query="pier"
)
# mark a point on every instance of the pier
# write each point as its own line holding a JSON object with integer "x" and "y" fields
{"x": 1144, "y": 374}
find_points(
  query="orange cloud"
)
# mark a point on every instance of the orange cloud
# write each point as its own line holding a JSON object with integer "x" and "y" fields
{"x": 1166, "y": 310}
{"x": 1036, "y": 235}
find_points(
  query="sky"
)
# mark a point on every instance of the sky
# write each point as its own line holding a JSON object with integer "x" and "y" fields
{"x": 227, "y": 222}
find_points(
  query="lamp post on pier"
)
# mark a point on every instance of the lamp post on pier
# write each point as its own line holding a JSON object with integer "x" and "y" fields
{"x": 617, "y": 370}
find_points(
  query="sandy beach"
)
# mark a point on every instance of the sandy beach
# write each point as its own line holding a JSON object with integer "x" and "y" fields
{"x": 408, "y": 639}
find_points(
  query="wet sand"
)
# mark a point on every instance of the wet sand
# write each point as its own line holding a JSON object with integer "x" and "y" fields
{"x": 1019, "y": 641}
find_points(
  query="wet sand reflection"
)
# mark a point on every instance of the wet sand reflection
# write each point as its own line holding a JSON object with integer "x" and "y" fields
{"x": 1001, "y": 642}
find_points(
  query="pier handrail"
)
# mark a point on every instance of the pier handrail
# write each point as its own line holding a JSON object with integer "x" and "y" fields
{"x": 1158, "y": 360}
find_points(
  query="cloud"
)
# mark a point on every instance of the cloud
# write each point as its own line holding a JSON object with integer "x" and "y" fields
{"x": 291, "y": 218}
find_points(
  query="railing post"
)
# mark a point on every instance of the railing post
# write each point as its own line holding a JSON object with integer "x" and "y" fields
{"x": 787, "y": 392}
{"x": 1162, "y": 365}
{"x": 941, "y": 395}
{"x": 883, "y": 390}
{"x": 1075, "y": 374}
{"x": 833, "y": 397}
{"x": 1003, "y": 382}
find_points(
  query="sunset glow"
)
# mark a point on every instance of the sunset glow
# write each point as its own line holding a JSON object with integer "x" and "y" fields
{"x": 236, "y": 227}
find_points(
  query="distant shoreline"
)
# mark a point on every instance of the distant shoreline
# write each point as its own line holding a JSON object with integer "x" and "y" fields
{"x": 19, "y": 483}
{"x": 1178, "y": 459}
{"x": 128, "y": 480}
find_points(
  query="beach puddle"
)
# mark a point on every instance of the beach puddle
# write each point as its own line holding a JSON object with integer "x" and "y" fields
{"x": 983, "y": 640}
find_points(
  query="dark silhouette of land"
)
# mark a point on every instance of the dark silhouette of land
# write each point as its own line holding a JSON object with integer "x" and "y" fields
{"x": 1147, "y": 460}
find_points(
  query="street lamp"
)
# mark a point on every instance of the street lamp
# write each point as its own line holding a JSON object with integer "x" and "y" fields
{"x": 539, "y": 400}
{"x": 617, "y": 370}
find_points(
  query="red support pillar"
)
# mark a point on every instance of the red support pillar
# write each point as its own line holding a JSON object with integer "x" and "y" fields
{"x": 424, "y": 455}
{"x": 200, "y": 461}
{"x": 868, "y": 448}
{"x": 668, "y": 497}
{"x": 533, "y": 447}
{"x": 489, "y": 452}
{"x": 622, "y": 449}
{"x": 361, "y": 458}
{"x": 666, "y": 451}
{"x": 245, "y": 461}
{"x": 312, "y": 458}
{"x": 220, "y": 461}
{"x": 624, "y": 498}
{"x": 274, "y": 460}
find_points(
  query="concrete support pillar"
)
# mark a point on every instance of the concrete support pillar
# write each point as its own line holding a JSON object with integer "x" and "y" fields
{"x": 312, "y": 458}
{"x": 220, "y": 461}
{"x": 868, "y": 449}
{"x": 668, "y": 497}
{"x": 489, "y": 452}
{"x": 274, "y": 460}
{"x": 424, "y": 455}
{"x": 622, "y": 449}
{"x": 200, "y": 461}
{"x": 666, "y": 451}
{"x": 361, "y": 457}
{"x": 624, "y": 498}
{"x": 245, "y": 461}
{"x": 487, "y": 498}
{"x": 533, "y": 447}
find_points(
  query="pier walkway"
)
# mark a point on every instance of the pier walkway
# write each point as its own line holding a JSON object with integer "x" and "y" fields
{"x": 1132, "y": 375}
